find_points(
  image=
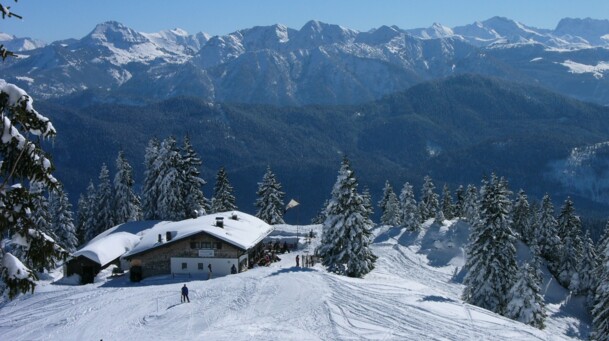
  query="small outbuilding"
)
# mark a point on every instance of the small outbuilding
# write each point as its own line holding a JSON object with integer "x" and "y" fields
{"x": 105, "y": 249}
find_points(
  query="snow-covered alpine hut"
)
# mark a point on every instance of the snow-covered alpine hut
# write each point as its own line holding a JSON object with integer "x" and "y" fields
{"x": 193, "y": 246}
{"x": 105, "y": 249}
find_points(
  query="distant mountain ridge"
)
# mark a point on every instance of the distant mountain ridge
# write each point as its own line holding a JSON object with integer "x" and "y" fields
{"x": 318, "y": 64}
{"x": 457, "y": 130}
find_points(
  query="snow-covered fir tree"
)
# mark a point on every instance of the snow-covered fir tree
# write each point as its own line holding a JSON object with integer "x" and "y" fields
{"x": 389, "y": 206}
{"x": 600, "y": 311}
{"x": 193, "y": 183}
{"x": 458, "y": 208}
{"x": 491, "y": 255}
{"x": 223, "y": 199}
{"x": 62, "y": 220}
{"x": 536, "y": 261}
{"x": 321, "y": 215}
{"x": 90, "y": 224}
{"x": 428, "y": 203}
{"x": 42, "y": 213}
{"x": 521, "y": 217}
{"x": 23, "y": 161}
{"x": 525, "y": 301}
{"x": 346, "y": 237}
{"x": 82, "y": 214}
{"x": 569, "y": 231}
{"x": 150, "y": 191}
{"x": 41, "y": 218}
{"x": 367, "y": 202}
{"x": 410, "y": 217}
{"x": 470, "y": 207}
{"x": 587, "y": 268}
{"x": 447, "y": 203}
{"x": 439, "y": 217}
{"x": 126, "y": 202}
{"x": 270, "y": 199}
{"x": 170, "y": 182}
{"x": 547, "y": 233}
{"x": 104, "y": 200}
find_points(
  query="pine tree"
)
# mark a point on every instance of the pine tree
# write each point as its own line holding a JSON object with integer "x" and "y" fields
{"x": 521, "y": 217}
{"x": 150, "y": 191}
{"x": 447, "y": 203}
{"x": 428, "y": 204}
{"x": 470, "y": 208}
{"x": 367, "y": 202}
{"x": 600, "y": 311}
{"x": 223, "y": 199}
{"x": 194, "y": 200}
{"x": 491, "y": 261}
{"x": 346, "y": 238}
{"x": 42, "y": 213}
{"x": 389, "y": 206}
{"x": 459, "y": 207}
{"x": 321, "y": 215}
{"x": 90, "y": 224}
{"x": 409, "y": 210}
{"x": 587, "y": 268}
{"x": 22, "y": 161}
{"x": 270, "y": 199}
{"x": 62, "y": 221}
{"x": 170, "y": 182}
{"x": 547, "y": 233}
{"x": 81, "y": 218}
{"x": 569, "y": 231}
{"x": 126, "y": 202}
{"x": 104, "y": 200}
{"x": 525, "y": 301}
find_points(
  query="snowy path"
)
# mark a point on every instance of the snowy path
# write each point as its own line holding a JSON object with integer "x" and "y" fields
{"x": 402, "y": 299}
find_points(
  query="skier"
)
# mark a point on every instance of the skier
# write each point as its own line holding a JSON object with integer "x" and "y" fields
{"x": 209, "y": 267}
{"x": 185, "y": 294}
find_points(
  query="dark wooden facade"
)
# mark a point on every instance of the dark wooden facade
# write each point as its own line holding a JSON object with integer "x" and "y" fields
{"x": 84, "y": 267}
{"x": 194, "y": 254}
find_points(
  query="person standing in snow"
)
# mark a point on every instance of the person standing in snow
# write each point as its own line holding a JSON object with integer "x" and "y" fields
{"x": 209, "y": 267}
{"x": 233, "y": 269}
{"x": 185, "y": 294}
{"x": 297, "y": 260}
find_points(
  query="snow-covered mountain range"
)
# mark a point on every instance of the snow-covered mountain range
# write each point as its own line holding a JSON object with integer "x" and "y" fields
{"x": 320, "y": 63}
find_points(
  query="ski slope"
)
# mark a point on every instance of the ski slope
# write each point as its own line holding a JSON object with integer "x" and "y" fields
{"x": 404, "y": 298}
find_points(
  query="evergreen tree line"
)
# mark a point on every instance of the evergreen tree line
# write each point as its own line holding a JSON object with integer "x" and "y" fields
{"x": 495, "y": 280}
{"x": 172, "y": 190}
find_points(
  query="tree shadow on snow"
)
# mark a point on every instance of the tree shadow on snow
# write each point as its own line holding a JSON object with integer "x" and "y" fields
{"x": 434, "y": 298}
{"x": 391, "y": 233}
{"x": 124, "y": 281}
{"x": 291, "y": 269}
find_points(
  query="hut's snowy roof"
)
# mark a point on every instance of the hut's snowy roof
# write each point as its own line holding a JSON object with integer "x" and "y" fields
{"x": 243, "y": 232}
{"x": 114, "y": 242}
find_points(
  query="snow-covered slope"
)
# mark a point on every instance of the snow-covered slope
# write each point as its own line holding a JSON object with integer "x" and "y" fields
{"x": 411, "y": 295}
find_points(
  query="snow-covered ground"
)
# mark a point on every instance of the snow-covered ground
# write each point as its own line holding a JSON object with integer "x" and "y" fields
{"x": 410, "y": 295}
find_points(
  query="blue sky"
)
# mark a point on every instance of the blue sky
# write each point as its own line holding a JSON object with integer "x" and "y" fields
{"x": 59, "y": 19}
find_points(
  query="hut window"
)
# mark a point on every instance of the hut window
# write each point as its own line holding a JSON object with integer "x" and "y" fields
{"x": 218, "y": 245}
{"x": 184, "y": 266}
{"x": 200, "y": 265}
{"x": 206, "y": 245}
{"x": 193, "y": 245}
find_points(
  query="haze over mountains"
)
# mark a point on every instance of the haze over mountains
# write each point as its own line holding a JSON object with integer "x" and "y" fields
{"x": 318, "y": 64}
